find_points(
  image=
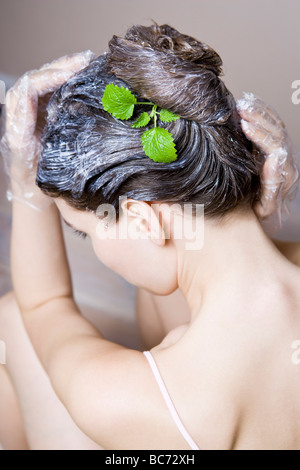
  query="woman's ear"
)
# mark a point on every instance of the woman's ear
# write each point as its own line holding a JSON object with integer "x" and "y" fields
{"x": 144, "y": 220}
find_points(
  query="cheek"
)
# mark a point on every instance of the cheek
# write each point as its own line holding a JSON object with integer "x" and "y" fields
{"x": 140, "y": 262}
{"x": 111, "y": 253}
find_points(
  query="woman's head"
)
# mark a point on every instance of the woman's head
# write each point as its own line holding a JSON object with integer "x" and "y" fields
{"x": 91, "y": 158}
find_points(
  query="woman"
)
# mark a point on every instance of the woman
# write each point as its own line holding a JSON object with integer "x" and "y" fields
{"x": 230, "y": 381}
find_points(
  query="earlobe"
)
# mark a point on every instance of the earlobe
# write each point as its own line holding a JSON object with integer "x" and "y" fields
{"x": 154, "y": 232}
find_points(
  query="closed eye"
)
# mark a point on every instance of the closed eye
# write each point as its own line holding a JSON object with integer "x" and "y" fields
{"x": 80, "y": 234}
{"x": 77, "y": 232}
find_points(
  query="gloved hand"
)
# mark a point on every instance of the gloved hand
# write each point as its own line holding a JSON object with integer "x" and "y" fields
{"x": 25, "y": 108}
{"x": 262, "y": 125}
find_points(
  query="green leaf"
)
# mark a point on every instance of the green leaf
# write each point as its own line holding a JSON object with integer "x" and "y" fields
{"x": 167, "y": 116}
{"x": 119, "y": 101}
{"x": 158, "y": 144}
{"x": 142, "y": 121}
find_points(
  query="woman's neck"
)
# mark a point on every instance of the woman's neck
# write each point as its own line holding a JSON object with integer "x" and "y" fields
{"x": 236, "y": 261}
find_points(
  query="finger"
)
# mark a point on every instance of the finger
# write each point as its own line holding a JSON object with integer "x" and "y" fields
{"x": 42, "y": 84}
{"x": 11, "y": 103}
{"x": 261, "y": 137}
{"x": 48, "y": 78}
{"x": 261, "y": 118}
{"x": 42, "y": 81}
{"x": 273, "y": 181}
{"x": 273, "y": 172}
{"x": 53, "y": 75}
{"x": 279, "y": 165}
{"x": 70, "y": 64}
{"x": 252, "y": 102}
{"x": 269, "y": 202}
{"x": 77, "y": 59}
{"x": 47, "y": 81}
{"x": 278, "y": 186}
{"x": 291, "y": 186}
{"x": 21, "y": 122}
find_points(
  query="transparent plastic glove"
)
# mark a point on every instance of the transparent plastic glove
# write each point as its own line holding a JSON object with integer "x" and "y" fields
{"x": 280, "y": 177}
{"x": 25, "y": 108}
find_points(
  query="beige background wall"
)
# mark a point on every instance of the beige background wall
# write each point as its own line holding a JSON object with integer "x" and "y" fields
{"x": 259, "y": 40}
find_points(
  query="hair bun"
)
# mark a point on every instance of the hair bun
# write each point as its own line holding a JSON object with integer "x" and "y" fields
{"x": 173, "y": 70}
{"x": 168, "y": 40}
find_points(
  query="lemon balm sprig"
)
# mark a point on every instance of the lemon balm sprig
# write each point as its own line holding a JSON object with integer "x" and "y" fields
{"x": 158, "y": 143}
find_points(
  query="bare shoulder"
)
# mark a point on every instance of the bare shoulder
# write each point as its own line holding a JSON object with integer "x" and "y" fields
{"x": 113, "y": 400}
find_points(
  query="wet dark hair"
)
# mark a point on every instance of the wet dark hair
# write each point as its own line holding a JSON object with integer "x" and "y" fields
{"x": 90, "y": 158}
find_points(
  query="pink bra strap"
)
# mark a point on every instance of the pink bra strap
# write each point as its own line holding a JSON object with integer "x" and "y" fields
{"x": 169, "y": 402}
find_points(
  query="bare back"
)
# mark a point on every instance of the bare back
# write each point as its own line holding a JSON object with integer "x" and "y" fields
{"x": 243, "y": 390}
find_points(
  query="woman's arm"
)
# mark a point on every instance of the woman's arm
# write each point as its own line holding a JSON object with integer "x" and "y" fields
{"x": 42, "y": 281}
{"x": 39, "y": 265}
{"x": 85, "y": 369}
